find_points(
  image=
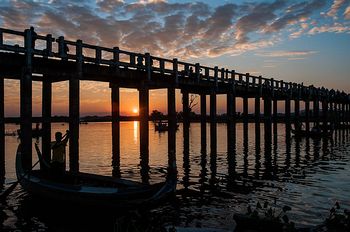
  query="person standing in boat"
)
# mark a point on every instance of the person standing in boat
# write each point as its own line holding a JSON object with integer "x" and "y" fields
{"x": 59, "y": 153}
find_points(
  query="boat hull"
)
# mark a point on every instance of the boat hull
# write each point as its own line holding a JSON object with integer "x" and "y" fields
{"x": 84, "y": 189}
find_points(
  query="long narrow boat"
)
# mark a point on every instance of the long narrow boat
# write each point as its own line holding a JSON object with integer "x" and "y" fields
{"x": 92, "y": 190}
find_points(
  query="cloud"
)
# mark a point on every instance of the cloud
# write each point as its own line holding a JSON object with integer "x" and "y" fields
{"x": 337, "y": 4}
{"x": 183, "y": 30}
{"x": 335, "y": 28}
{"x": 288, "y": 54}
{"x": 295, "y": 13}
{"x": 347, "y": 13}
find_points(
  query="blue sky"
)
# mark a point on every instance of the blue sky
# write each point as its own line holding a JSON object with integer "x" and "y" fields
{"x": 300, "y": 41}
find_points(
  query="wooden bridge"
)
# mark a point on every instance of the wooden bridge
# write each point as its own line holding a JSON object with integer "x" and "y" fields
{"x": 27, "y": 56}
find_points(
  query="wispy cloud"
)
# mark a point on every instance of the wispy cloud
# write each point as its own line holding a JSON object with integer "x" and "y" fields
{"x": 337, "y": 4}
{"x": 286, "y": 54}
{"x": 347, "y": 13}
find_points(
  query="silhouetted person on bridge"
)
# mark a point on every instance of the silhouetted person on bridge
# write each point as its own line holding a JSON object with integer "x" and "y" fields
{"x": 34, "y": 37}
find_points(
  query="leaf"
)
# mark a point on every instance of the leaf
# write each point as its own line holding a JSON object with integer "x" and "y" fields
{"x": 286, "y": 208}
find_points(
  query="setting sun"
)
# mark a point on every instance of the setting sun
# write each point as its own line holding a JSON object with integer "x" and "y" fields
{"x": 135, "y": 110}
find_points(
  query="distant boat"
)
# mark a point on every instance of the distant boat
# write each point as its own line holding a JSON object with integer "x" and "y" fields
{"x": 11, "y": 133}
{"x": 162, "y": 126}
{"x": 83, "y": 189}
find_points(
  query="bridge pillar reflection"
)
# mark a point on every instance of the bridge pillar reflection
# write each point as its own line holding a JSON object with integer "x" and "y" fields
{"x": 115, "y": 100}
{"x": 203, "y": 107}
{"x": 144, "y": 132}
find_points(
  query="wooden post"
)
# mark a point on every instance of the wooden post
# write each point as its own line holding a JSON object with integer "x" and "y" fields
{"x": 245, "y": 116}
{"x": 343, "y": 112}
{"x": 115, "y": 130}
{"x": 287, "y": 116}
{"x": 186, "y": 115}
{"x": 275, "y": 116}
{"x": 325, "y": 114}
{"x": 296, "y": 110}
{"x": 231, "y": 111}
{"x": 203, "y": 107}
{"x": 172, "y": 127}
{"x": 2, "y": 132}
{"x": 46, "y": 114}
{"x": 257, "y": 116}
{"x": 307, "y": 115}
{"x": 74, "y": 114}
{"x": 316, "y": 112}
{"x": 26, "y": 102}
{"x": 267, "y": 118}
{"x": 144, "y": 130}
{"x": 213, "y": 132}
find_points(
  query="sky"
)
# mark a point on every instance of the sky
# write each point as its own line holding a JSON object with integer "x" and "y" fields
{"x": 304, "y": 41}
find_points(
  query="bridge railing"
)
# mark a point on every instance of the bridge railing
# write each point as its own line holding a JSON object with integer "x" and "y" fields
{"x": 49, "y": 47}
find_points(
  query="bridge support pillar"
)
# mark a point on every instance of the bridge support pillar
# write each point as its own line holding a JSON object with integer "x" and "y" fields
{"x": 186, "y": 119}
{"x": 316, "y": 112}
{"x": 245, "y": 116}
{"x": 172, "y": 125}
{"x": 26, "y": 103}
{"x": 203, "y": 106}
{"x": 213, "y": 133}
{"x": 74, "y": 88}
{"x": 46, "y": 115}
{"x": 325, "y": 114}
{"x": 307, "y": 115}
{"x": 231, "y": 124}
{"x": 296, "y": 110}
{"x": 267, "y": 118}
{"x": 115, "y": 100}
{"x": 275, "y": 116}
{"x": 257, "y": 116}
{"x": 144, "y": 132}
{"x": 287, "y": 116}
{"x": 343, "y": 113}
{"x": 2, "y": 132}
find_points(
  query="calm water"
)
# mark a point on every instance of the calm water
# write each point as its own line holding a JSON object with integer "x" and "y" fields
{"x": 308, "y": 175}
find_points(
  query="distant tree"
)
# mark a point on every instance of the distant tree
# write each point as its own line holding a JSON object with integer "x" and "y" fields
{"x": 156, "y": 115}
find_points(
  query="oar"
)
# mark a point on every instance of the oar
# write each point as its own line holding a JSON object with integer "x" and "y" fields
{"x": 4, "y": 195}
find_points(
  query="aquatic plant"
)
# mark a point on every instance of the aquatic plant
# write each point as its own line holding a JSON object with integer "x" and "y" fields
{"x": 265, "y": 218}
{"x": 338, "y": 219}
